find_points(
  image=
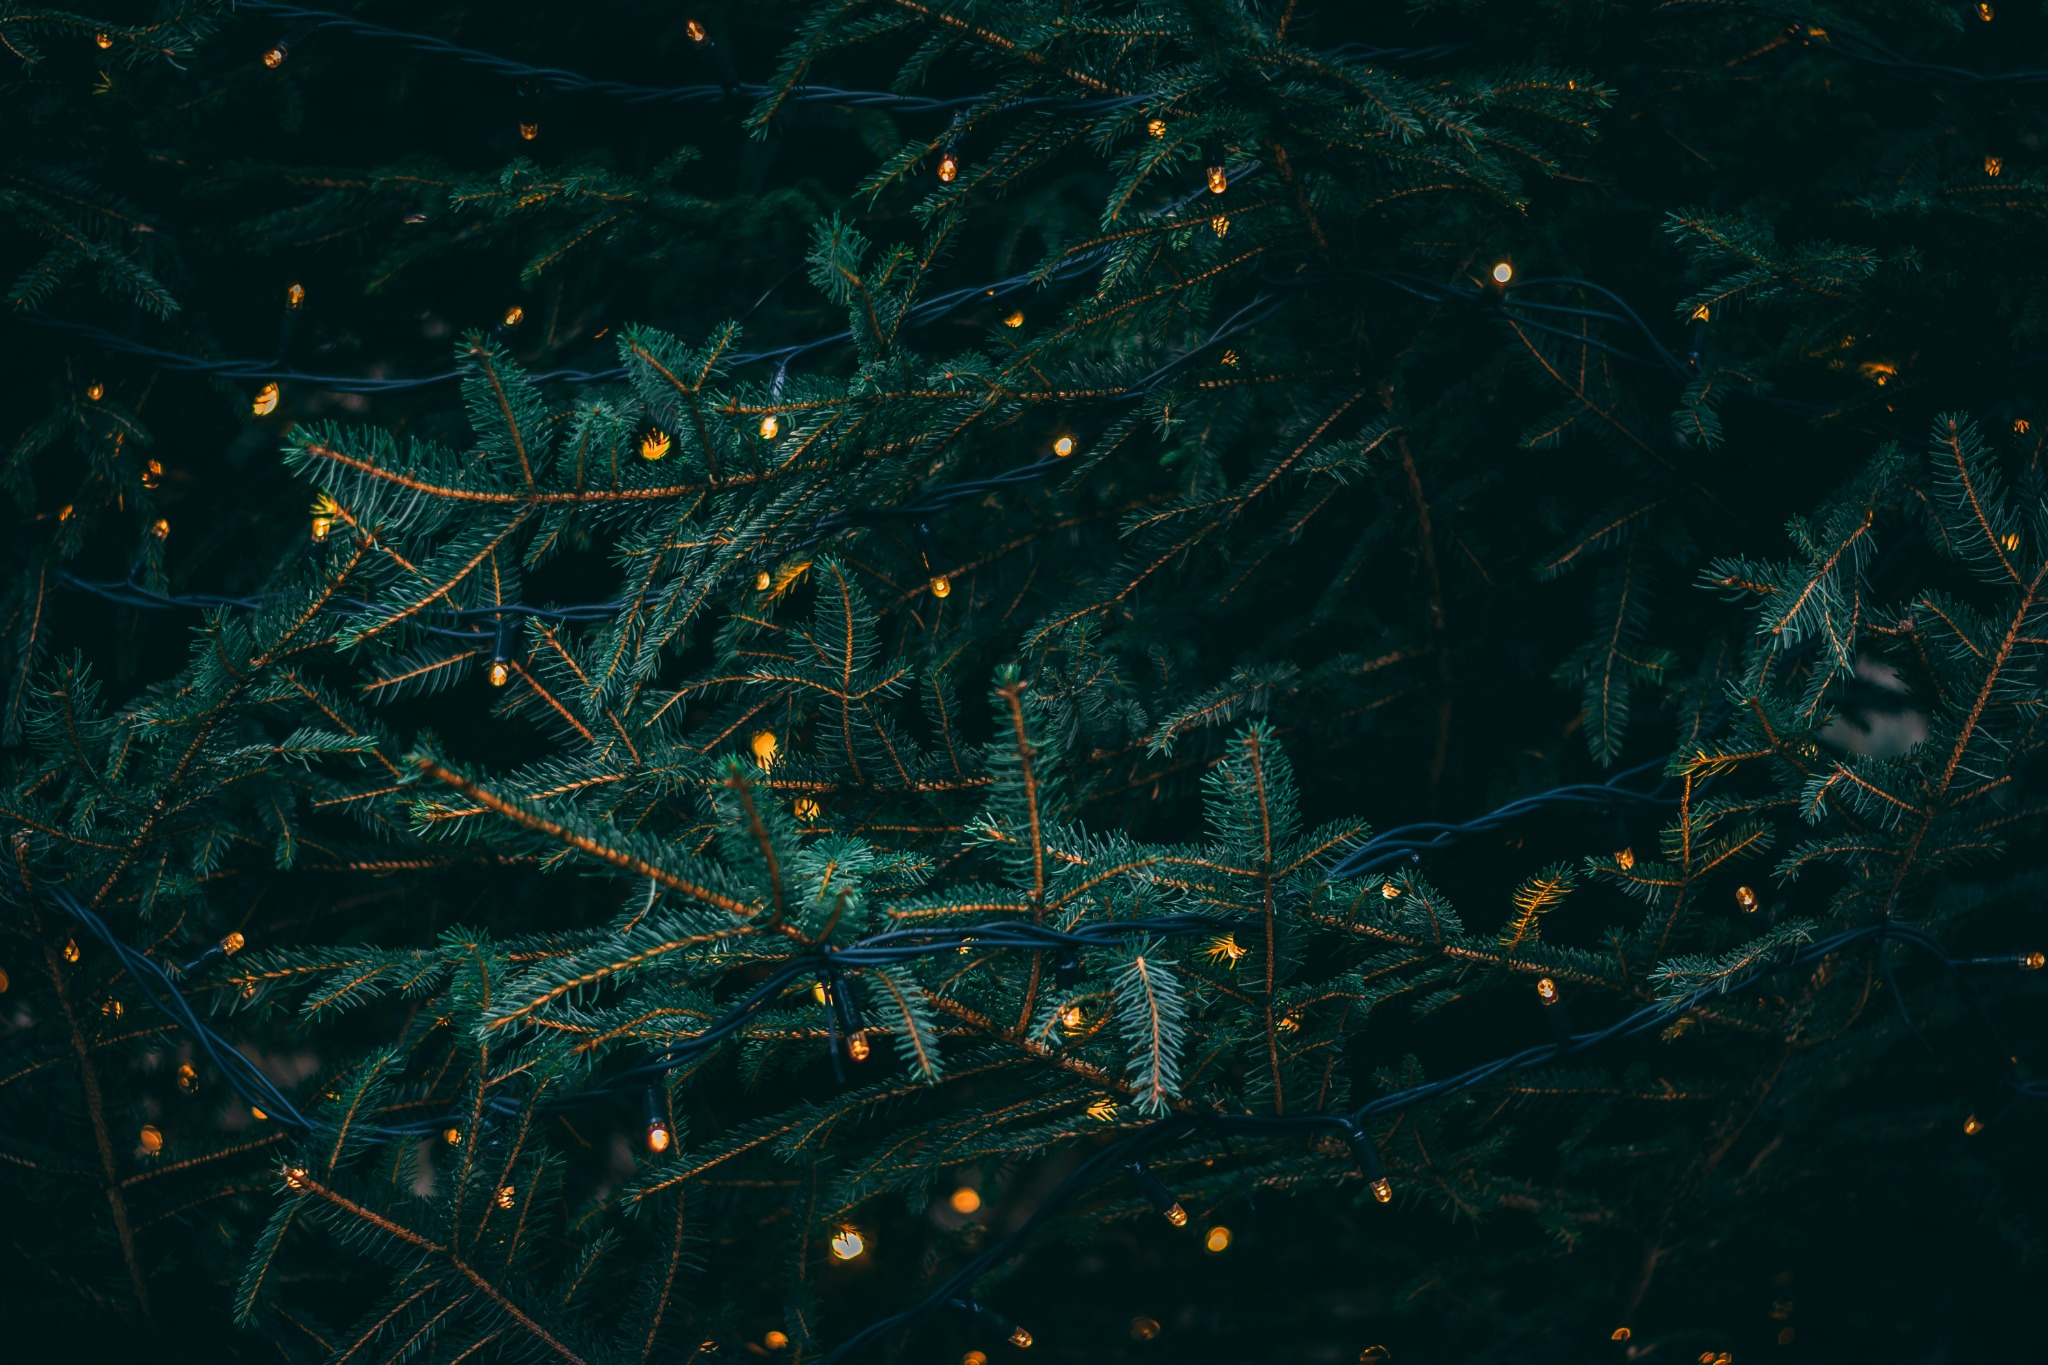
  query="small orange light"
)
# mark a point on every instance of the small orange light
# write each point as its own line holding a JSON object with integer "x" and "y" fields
{"x": 654, "y": 445}
{"x": 806, "y": 809}
{"x": 657, "y": 1137}
{"x": 2020, "y": 426}
{"x": 1390, "y": 891}
{"x": 1144, "y": 1329}
{"x": 1157, "y": 127}
{"x": 1230, "y": 357}
{"x": 2029, "y": 962}
{"x": 529, "y": 131}
{"x": 1015, "y": 319}
{"x": 1217, "y": 1240}
{"x": 857, "y": 1047}
{"x": 1993, "y": 165}
{"x": 1546, "y": 990}
{"x": 499, "y": 673}
{"x": 152, "y": 1139}
{"x": 1746, "y": 898}
{"x": 1219, "y": 180}
{"x": 506, "y": 1193}
{"x": 1382, "y": 1190}
{"x": 762, "y": 581}
{"x": 697, "y": 35}
{"x": 452, "y": 1136}
{"x": 295, "y": 1177}
{"x": 161, "y": 530}
{"x": 1986, "y": 13}
{"x": 941, "y": 585}
{"x": 1620, "y": 1334}
{"x": 1073, "y": 1018}
{"x": 188, "y": 1077}
{"x": 966, "y": 1199}
{"x": 95, "y": 391}
{"x": 1020, "y": 1338}
{"x": 1177, "y": 1216}
{"x": 1220, "y": 225}
{"x": 1063, "y": 447}
{"x": 848, "y": 1244}
{"x": 71, "y": 950}
{"x": 1503, "y": 272}
{"x": 265, "y": 401}
{"x": 1972, "y": 1126}
{"x": 974, "y": 1358}
{"x": 295, "y": 297}
{"x": 274, "y": 58}
{"x": 949, "y": 168}
{"x": 322, "y": 527}
{"x": 232, "y": 943}
{"x": 766, "y": 747}
{"x": 113, "y": 1009}
{"x": 152, "y": 473}
{"x": 1625, "y": 859}
{"x": 514, "y": 315}
{"x": 1702, "y": 314}
{"x": 1375, "y": 1355}
{"x": 105, "y": 40}
{"x": 258, "y": 1114}
{"x": 770, "y": 427}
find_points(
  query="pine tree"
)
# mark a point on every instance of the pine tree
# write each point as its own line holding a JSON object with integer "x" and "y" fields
{"x": 861, "y": 677}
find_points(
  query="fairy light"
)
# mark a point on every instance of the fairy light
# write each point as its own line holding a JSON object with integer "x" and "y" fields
{"x": 2029, "y": 962}
{"x": 1503, "y": 272}
{"x": 1220, "y": 225}
{"x": 295, "y": 296}
{"x": 105, "y": 40}
{"x": 1144, "y": 1329}
{"x": 1375, "y": 1355}
{"x": 1619, "y": 1334}
{"x": 770, "y": 427}
{"x": 974, "y": 1358}
{"x": 658, "y": 1137}
{"x": 1993, "y": 165}
{"x": 1368, "y": 1158}
{"x": 1073, "y": 1019}
{"x": 1155, "y": 1190}
{"x": 151, "y": 1138}
{"x": 949, "y": 168}
{"x": 452, "y": 1136}
{"x": 762, "y": 582}
{"x": 1015, "y": 319}
{"x": 1224, "y": 948}
{"x": 774, "y": 1341}
{"x": 1546, "y": 990}
{"x": 529, "y": 131}
{"x": 1019, "y": 1338}
{"x": 1063, "y": 447}
{"x": 941, "y": 585}
{"x": 697, "y": 34}
{"x": 1157, "y": 127}
{"x": 765, "y": 747}
{"x": 295, "y": 1177}
{"x": 514, "y": 316}
{"x": 265, "y": 401}
{"x": 1390, "y": 890}
{"x": 323, "y": 526}
{"x": 71, "y": 950}
{"x": 857, "y": 1047}
{"x": 1972, "y": 1126}
{"x": 258, "y": 1114}
{"x": 95, "y": 391}
{"x": 1745, "y": 897}
{"x": 1625, "y": 859}
{"x": 161, "y": 529}
{"x": 654, "y": 445}
{"x": 805, "y": 809}
{"x": 1986, "y": 13}
{"x": 188, "y": 1077}
{"x": 1702, "y": 314}
{"x": 2010, "y": 541}
{"x": 274, "y": 58}
{"x": 848, "y": 1244}
{"x": 113, "y": 1009}
{"x": 506, "y": 1195}
{"x": 1219, "y": 180}
{"x": 499, "y": 673}
{"x": 152, "y": 473}
{"x": 1216, "y": 1240}
{"x": 1229, "y": 356}
{"x": 966, "y": 1199}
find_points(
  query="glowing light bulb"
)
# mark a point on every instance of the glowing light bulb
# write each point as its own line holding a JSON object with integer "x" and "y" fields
{"x": 113, "y": 1009}
{"x": 274, "y": 58}
{"x": 529, "y": 131}
{"x": 1220, "y": 225}
{"x": 1382, "y": 1190}
{"x": 770, "y": 427}
{"x": 820, "y": 994}
{"x": 949, "y": 168}
{"x": 697, "y": 34}
{"x": 974, "y": 1358}
{"x": 941, "y": 585}
{"x": 1619, "y": 1334}
{"x": 1063, "y": 447}
{"x": 322, "y": 527}
{"x": 1375, "y": 1355}
{"x": 1230, "y": 356}
{"x": 1217, "y": 1240}
{"x": 1073, "y": 1018}
{"x": 1503, "y": 272}
{"x": 1157, "y": 127}
{"x": 806, "y": 809}
{"x": 506, "y": 1194}
{"x": 2029, "y": 962}
{"x": 1224, "y": 948}
{"x": 857, "y": 1047}
{"x": 1103, "y": 1111}
{"x": 295, "y": 297}
{"x": 1702, "y": 314}
{"x": 265, "y": 401}
{"x": 1746, "y": 898}
{"x": 161, "y": 530}
{"x": 2020, "y": 426}
{"x": 848, "y": 1244}
{"x": 1177, "y": 1216}
{"x": 514, "y": 315}
{"x": 1219, "y": 180}
{"x": 1625, "y": 859}
{"x": 452, "y": 1136}
{"x": 1020, "y": 1338}
{"x": 295, "y": 1177}
{"x": 232, "y": 943}
{"x": 1986, "y": 13}
{"x": 1390, "y": 891}
{"x": 1144, "y": 1329}
{"x": 1288, "y": 1024}
{"x": 1993, "y": 165}
{"x": 657, "y": 1137}
{"x": 71, "y": 950}
{"x": 1546, "y": 990}
{"x": 1973, "y": 1126}
{"x": 152, "y": 473}
{"x": 766, "y": 747}
{"x": 966, "y": 1199}
{"x": 105, "y": 40}
{"x": 1015, "y": 319}
{"x": 258, "y": 1114}
{"x": 188, "y": 1077}
{"x": 95, "y": 391}
{"x": 152, "y": 1139}
{"x": 654, "y": 445}
{"x": 762, "y": 581}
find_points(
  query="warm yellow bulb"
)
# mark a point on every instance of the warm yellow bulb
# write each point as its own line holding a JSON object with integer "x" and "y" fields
{"x": 104, "y": 39}
{"x": 452, "y": 1136}
{"x": 2010, "y": 541}
{"x": 1546, "y": 990}
{"x": 974, "y": 1358}
{"x": 1219, "y": 180}
{"x": 1383, "y": 1191}
{"x": 1973, "y": 1126}
{"x": 295, "y": 1177}
{"x": 1103, "y": 1111}
{"x": 1390, "y": 891}
{"x": 770, "y": 427}
{"x": 848, "y": 1244}
{"x": 96, "y": 391}
{"x": 499, "y": 673}
{"x": 1619, "y": 1334}
{"x": 657, "y": 1137}
{"x": 1020, "y": 1338}
{"x": 1746, "y": 898}
{"x": 941, "y": 585}
{"x": 188, "y": 1077}
{"x": 1375, "y": 1355}
{"x": 966, "y": 1199}
{"x": 806, "y": 809}
{"x": 1503, "y": 272}
{"x": 2032, "y": 962}
{"x": 274, "y": 58}
{"x": 506, "y": 1194}
{"x": 529, "y": 131}
{"x": 265, "y": 402}
{"x": 1177, "y": 1216}
{"x": 654, "y": 445}
{"x": 766, "y": 747}
{"x": 1220, "y": 225}
{"x": 152, "y": 473}
{"x": 1073, "y": 1018}
{"x": 322, "y": 527}
{"x": 1144, "y": 1329}
{"x": 697, "y": 35}
{"x": 1217, "y": 1240}
{"x": 1063, "y": 447}
{"x": 514, "y": 315}
{"x": 71, "y": 950}
{"x": 1986, "y": 13}
{"x": 949, "y": 168}
{"x": 762, "y": 581}
{"x": 161, "y": 530}
{"x": 1702, "y": 314}
{"x": 857, "y": 1047}
{"x": 257, "y": 1114}
{"x": 774, "y": 1341}
{"x": 1157, "y": 127}
{"x": 295, "y": 297}
{"x": 152, "y": 1139}
{"x": 232, "y": 943}
{"x": 113, "y": 1009}
{"x": 1625, "y": 859}
{"x": 1993, "y": 165}
{"x": 1015, "y": 319}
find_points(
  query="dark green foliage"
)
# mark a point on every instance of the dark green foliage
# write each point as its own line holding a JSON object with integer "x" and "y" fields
{"x": 613, "y": 683}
